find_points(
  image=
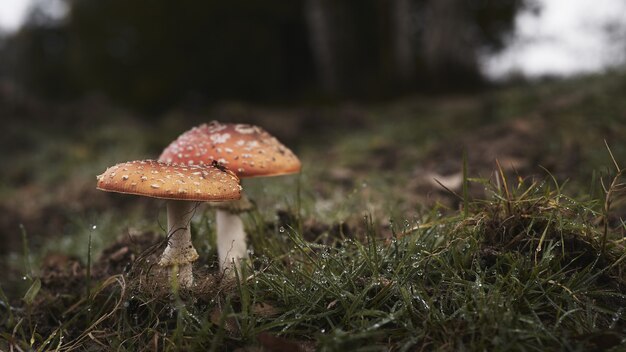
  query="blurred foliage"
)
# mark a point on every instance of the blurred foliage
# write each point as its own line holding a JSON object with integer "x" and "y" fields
{"x": 145, "y": 52}
{"x": 154, "y": 54}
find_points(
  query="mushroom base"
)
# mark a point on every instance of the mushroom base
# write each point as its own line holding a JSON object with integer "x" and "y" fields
{"x": 185, "y": 275}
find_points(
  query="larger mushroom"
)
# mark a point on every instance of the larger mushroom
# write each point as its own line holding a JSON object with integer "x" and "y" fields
{"x": 247, "y": 150}
{"x": 183, "y": 186}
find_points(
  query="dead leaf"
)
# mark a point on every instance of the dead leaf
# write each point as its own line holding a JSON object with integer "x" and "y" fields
{"x": 264, "y": 309}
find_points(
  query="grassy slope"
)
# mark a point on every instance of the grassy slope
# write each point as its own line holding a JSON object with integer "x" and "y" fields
{"x": 361, "y": 257}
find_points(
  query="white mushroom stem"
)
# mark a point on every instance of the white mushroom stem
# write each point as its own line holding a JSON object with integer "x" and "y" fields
{"x": 179, "y": 251}
{"x": 185, "y": 275}
{"x": 231, "y": 240}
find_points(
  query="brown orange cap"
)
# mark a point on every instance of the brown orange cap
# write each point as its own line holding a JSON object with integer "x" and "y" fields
{"x": 178, "y": 182}
{"x": 247, "y": 150}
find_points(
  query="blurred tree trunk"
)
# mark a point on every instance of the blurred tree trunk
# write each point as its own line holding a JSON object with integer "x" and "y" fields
{"x": 321, "y": 36}
{"x": 449, "y": 44}
{"x": 403, "y": 29}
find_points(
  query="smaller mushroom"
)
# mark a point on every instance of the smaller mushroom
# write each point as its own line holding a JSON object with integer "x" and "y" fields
{"x": 183, "y": 186}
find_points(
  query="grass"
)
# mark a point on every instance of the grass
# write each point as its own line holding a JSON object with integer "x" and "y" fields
{"x": 357, "y": 258}
{"x": 519, "y": 270}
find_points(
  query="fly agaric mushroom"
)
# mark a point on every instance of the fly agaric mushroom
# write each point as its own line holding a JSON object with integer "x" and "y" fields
{"x": 183, "y": 186}
{"x": 247, "y": 150}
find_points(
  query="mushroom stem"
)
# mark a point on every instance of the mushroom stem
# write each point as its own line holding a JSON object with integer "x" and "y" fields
{"x": 185, "y": 275}
{"x": 231, "y": 240}
{"x": 179, "y": 250}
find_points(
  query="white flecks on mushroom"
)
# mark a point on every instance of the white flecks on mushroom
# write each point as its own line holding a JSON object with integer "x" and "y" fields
{"x": 245, "y": 129}
{"x": 220, "y": 138}
{"x": 215, "y": 126}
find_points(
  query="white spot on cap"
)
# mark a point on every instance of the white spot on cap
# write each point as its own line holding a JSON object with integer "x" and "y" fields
{"x": 214, "y": 126}
{"x": 220, "y": 138}
{"x": 245, "y": 129}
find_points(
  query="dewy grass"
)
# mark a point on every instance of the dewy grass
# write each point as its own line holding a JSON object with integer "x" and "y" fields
{"x": 519, "y": 270}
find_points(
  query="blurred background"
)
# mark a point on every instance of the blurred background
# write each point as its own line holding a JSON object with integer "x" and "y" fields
{"x": 378, "y": 98}
{"x": 153, "y": 55}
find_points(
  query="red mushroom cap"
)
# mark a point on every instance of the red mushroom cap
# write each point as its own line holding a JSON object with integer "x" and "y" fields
{"x": 247, "y": 150}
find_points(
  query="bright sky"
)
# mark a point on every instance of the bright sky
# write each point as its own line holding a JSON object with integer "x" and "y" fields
{"x": 567, "y": 37}
{"x": 12, "y": 13}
